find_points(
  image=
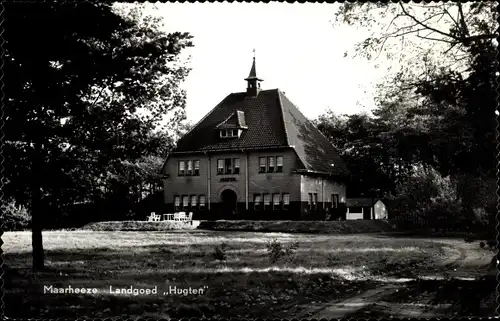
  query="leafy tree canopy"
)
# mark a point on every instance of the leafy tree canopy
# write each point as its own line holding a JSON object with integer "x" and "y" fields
{"x": 86, "y": 85}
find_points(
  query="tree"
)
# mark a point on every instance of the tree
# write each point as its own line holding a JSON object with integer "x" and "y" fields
{"x": 84, "y": 85}
{"x": 440, "y": 102}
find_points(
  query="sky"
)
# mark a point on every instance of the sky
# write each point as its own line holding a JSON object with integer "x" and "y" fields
{"x": 297, "y": 49}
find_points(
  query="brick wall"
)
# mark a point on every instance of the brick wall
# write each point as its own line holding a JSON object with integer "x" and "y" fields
{"x": 209, "y": 182}
{"x": 324, "y": 188}
{"x": 212, "y": 185}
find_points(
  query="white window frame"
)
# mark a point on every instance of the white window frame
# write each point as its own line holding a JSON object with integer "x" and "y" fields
{"x": 262, "y": 167}
{"x": 196, "y": 168}
{"x": 181, "y": 168}
{"x": 279, "y": 167}
{"x": 236, "y": 165}
{"x": 267, "y": 200}
{"x": 286, "y": 201}
{"x": 276, "y": 201}
{"x": 177, "y": 202}
{"x": 271, "y": 164}
{"x": 201, "y": 201}
{"x": 257, "y": 201}
{"x": 220, "y": 169}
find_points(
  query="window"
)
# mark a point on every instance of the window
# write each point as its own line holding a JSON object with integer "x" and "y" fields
{"x": 196, "y": 168}
{"x": 279, "y": 163}
{"x": 228, "y": 166}
{"x": 276, "y": 201}
{"x": 236, "y": 163}
{"x": 220, "y": 166}
{"x": 335, "y": 200}
{"x": 229, "y": 133}
{"x": 257, "y": 200}
{"x": 286, "y": 201}
{"x": 315, "y": 201}
{"x": 267, "y": 201}
{"x": 193, "y": 201}
{"x": 270, "y": 164}
{"x": 310, "y": 202}
{"x": 201, "y": 202}
{"x": 189, "y": 167}
{"x": 262, "y": 164}
{"x": 185, "y": 201}
{"x": 177, "y": 203}
{"x": 182, "y": 168}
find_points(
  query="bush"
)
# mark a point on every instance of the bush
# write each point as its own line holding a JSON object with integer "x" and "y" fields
{"x": 220, "y": 252}
{"x": 276, "y": 251}
{"x": 14, "y": 217}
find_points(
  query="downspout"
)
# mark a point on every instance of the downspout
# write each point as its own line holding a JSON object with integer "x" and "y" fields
{"x": 323, "y": 193}
{"x": 208, "y": 180}
{"x": 246, "y": 182}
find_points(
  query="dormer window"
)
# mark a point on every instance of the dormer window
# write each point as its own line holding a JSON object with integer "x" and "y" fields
{"x": 233, "y": 125}
{"x": 229, "y": 133}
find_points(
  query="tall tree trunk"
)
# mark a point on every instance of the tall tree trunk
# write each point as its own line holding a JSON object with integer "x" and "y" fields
{"x": 36, "y": 211}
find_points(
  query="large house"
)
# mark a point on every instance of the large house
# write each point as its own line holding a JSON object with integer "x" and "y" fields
{"x": 255, "y": 156}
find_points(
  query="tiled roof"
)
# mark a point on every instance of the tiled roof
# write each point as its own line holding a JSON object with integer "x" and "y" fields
{"x": 314, "y": 150}
{"x": 273, "y": 121}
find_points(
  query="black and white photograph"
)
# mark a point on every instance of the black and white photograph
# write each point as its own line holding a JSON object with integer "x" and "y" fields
{"x": 218, "y": 160}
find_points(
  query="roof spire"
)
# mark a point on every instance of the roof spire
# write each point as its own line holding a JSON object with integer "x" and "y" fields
{"x": 253, "y": 81}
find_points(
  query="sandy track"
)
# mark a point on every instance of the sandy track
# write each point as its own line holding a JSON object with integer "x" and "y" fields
{"x": 461, "y": 260}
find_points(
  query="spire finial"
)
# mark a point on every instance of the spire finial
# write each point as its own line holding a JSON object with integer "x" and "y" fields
{"x": 254, "y": 54}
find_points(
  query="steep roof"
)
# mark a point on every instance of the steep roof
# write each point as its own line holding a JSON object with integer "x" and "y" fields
{"x": 272, "y": 121}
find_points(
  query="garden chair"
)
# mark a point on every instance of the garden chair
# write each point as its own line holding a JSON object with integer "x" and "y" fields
{"x": 182, "y": 216}
{"x": 176, "y": 216}
{"x": 151, "y": 217}
{"x": 157, "y": 217}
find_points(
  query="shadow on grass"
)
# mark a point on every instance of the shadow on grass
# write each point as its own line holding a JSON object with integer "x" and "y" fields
{"x": 232, "y": 294}
{"x": 466, "y": 297}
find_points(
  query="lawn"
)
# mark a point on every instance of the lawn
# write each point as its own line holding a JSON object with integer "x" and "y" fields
{"x": 245, "y": 284}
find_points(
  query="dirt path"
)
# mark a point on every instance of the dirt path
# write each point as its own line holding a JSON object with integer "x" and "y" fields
{"x": 461, "y": 260}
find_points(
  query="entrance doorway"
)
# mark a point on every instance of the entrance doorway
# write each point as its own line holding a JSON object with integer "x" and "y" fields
{"x": 229, "y": 202}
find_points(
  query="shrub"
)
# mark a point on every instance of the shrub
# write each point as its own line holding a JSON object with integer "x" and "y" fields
{"x": 220, "y": 252}
{"x": 276, "y": 251}
{"x": 14, "y": 217}
{"x": 333, "y": 259}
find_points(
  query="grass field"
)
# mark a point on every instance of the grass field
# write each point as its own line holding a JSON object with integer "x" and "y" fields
{"x": 246, "y": 283}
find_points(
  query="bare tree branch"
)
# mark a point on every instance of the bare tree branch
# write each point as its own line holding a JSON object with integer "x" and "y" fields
{"x": 463, "y": 25}
{"x": 451, "y": 17}
{"x": 424, "y": 25}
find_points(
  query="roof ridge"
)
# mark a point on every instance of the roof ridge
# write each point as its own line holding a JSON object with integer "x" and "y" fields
{"x": 204, "y": 117}
{"x": 313, "y": 125}
{"x": 283, "y": 116}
